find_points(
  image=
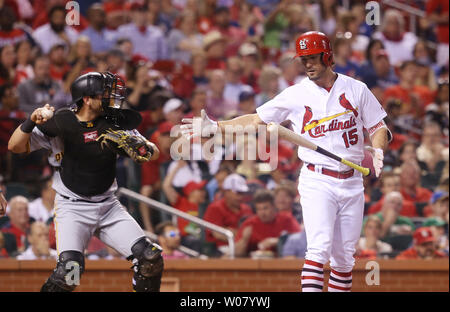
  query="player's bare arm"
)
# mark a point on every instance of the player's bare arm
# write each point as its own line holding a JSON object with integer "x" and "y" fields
{"x": 379, "y": 139}
{"x": 210, "y": 127}
{"x": 18, "y": 143}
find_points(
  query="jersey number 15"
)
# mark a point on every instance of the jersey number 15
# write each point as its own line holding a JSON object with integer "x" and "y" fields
{"x": 350, "y": 137}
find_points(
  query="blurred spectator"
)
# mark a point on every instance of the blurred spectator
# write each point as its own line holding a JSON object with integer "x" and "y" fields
{"x": 148, "y": 40}
{"x": 24, "y": 54}
{"x": 268, "y": 82}
{"x": 101, "y": 38}
{"x": 291, "y": 70}
{"x": 250, "y": 60}
{"x": 55, "y": 31}
{"x": 390, "y": 182}
{"x": 198, "y": 63}
{"x": 414, "y": 98}
{"x": 229, "y": 211}
{"x": 151, "y": 171}
{"x": 7, "y": 65}
{"x": 295, "y": 246}
{"x": 39, "y": 247}
{"x": 80, "y": 59}
{"x": 235, "y": 36}
{"x": 424, "y": 246}
{"x": 409, "y": 180}
{"x": 215, "y": 185}
{"x": 9, "y": 35}
{"x": 40, "y": 90}
{"x": 41, "y": 209}
{"x": 437, "y": 12}
{"x": 438, "y": 207}
{"x": 407, "y": 152}
{"x": 438, "y": 111}
{"x": 260, "y": 233}
{"x": 59, "y": 67}
{"x": 233, "y": 85}
{"x": 185, "y": 39}
{"x": 217, "y": 105}
{"x": 285, "y": 200}
{"x": 169, "y": 239}
{"x": 383, "y": 75}
{"x": 370, "y": 243}
{"x": 173, "y": 111}
{"x": 342, "y": 54}
{"x": 19, "y": 220}
{"x": 426, "y": 72}
{"x": 197, "y": 102}
{"x": 10, "y": 119}
{"x": 214, "y": 45}
{"x": 326, "y": 14}
{"x": 439, "y": 229}
{"x": 247, "y": 102}
{"x": 432, "y": 155}
{"x": 350, "y": 26}
{"x": 398, "y": 43}
{"x": 392, "y": 222}
{"x": 193, "y": 196}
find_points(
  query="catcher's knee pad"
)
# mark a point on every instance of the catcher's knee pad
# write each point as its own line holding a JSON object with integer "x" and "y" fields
{"x": 148, "y": 266}
{"x": 66, "y": 275}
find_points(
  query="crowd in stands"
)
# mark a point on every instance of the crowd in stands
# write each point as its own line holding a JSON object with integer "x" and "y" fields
{"x": 229, "y": 57}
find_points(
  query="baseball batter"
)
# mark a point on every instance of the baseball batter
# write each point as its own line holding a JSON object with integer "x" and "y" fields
{"x": 330, "y": 110}
{"x": 85, "y": 204}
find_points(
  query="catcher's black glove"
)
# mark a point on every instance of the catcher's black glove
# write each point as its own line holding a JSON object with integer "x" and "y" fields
{"x": 124, "y": 143}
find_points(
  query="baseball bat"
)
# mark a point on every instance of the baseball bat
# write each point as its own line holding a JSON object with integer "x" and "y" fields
{"x": 293, "y": 137}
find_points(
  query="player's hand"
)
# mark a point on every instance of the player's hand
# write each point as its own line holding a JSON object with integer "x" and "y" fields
{"x": 3, "y": 204}
{"x": 377, "y": 157}
{"x": 198, "y": 127}
{"x": 41, "y": 115}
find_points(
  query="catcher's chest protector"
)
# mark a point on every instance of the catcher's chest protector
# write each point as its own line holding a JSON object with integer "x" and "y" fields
{"x": 86, "y": 168}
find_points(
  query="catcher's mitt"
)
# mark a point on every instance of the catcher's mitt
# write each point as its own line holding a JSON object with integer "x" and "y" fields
{"x": 124, "y": 143}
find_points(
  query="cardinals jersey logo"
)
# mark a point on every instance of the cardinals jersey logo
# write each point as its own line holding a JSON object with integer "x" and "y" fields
{"x": 347, "y": 105}
{"x": 302, "y": 44}
{"x": 307, "y": 117}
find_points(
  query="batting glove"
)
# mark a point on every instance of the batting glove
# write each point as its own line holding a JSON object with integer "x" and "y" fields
{"x": 195, "y": 127}
{"x": 377, "y": 158}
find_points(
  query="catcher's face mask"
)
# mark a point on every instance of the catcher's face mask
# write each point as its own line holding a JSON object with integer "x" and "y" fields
{"x": 114, "y": 92}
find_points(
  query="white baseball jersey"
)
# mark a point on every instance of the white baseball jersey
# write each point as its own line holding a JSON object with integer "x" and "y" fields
{"x": 339, "y": 115}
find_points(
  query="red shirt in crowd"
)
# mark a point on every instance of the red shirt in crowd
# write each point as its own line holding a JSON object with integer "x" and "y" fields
{"x": 411, "y": 253}
{"x": 440, "y": 7}
{"x": 18, "y": 234}
{"x": 183, "y": 204}
{"x": 12, "y": 37}
{"x": 150, "y": 169}
{"x": 283, "y": 222}
{"x": 422, "y": 195}
{"x": 408, "y": 208}
{"x": 219, "y": 214}
{"x": 397, "y": 92}
{"x": 9, "y": 121}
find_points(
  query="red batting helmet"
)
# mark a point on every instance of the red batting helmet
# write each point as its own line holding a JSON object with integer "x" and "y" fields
{"x": 314, "y": 42}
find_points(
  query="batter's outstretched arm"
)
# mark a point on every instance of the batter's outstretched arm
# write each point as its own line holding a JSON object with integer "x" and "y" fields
{"x": 210, "y": 127}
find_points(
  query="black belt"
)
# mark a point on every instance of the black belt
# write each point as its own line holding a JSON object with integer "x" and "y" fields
{"x": 83, "y": 200}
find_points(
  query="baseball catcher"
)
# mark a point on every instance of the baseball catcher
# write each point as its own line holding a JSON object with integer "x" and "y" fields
{"x": 92, "y": 134}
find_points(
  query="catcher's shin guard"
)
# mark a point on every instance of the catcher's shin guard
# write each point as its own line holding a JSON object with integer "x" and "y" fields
{"x": 66, "y": 275}
{"x": 148, "y": 266}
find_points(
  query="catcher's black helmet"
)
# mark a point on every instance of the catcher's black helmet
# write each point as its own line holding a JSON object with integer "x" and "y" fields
{"x": 111, "y": 87}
